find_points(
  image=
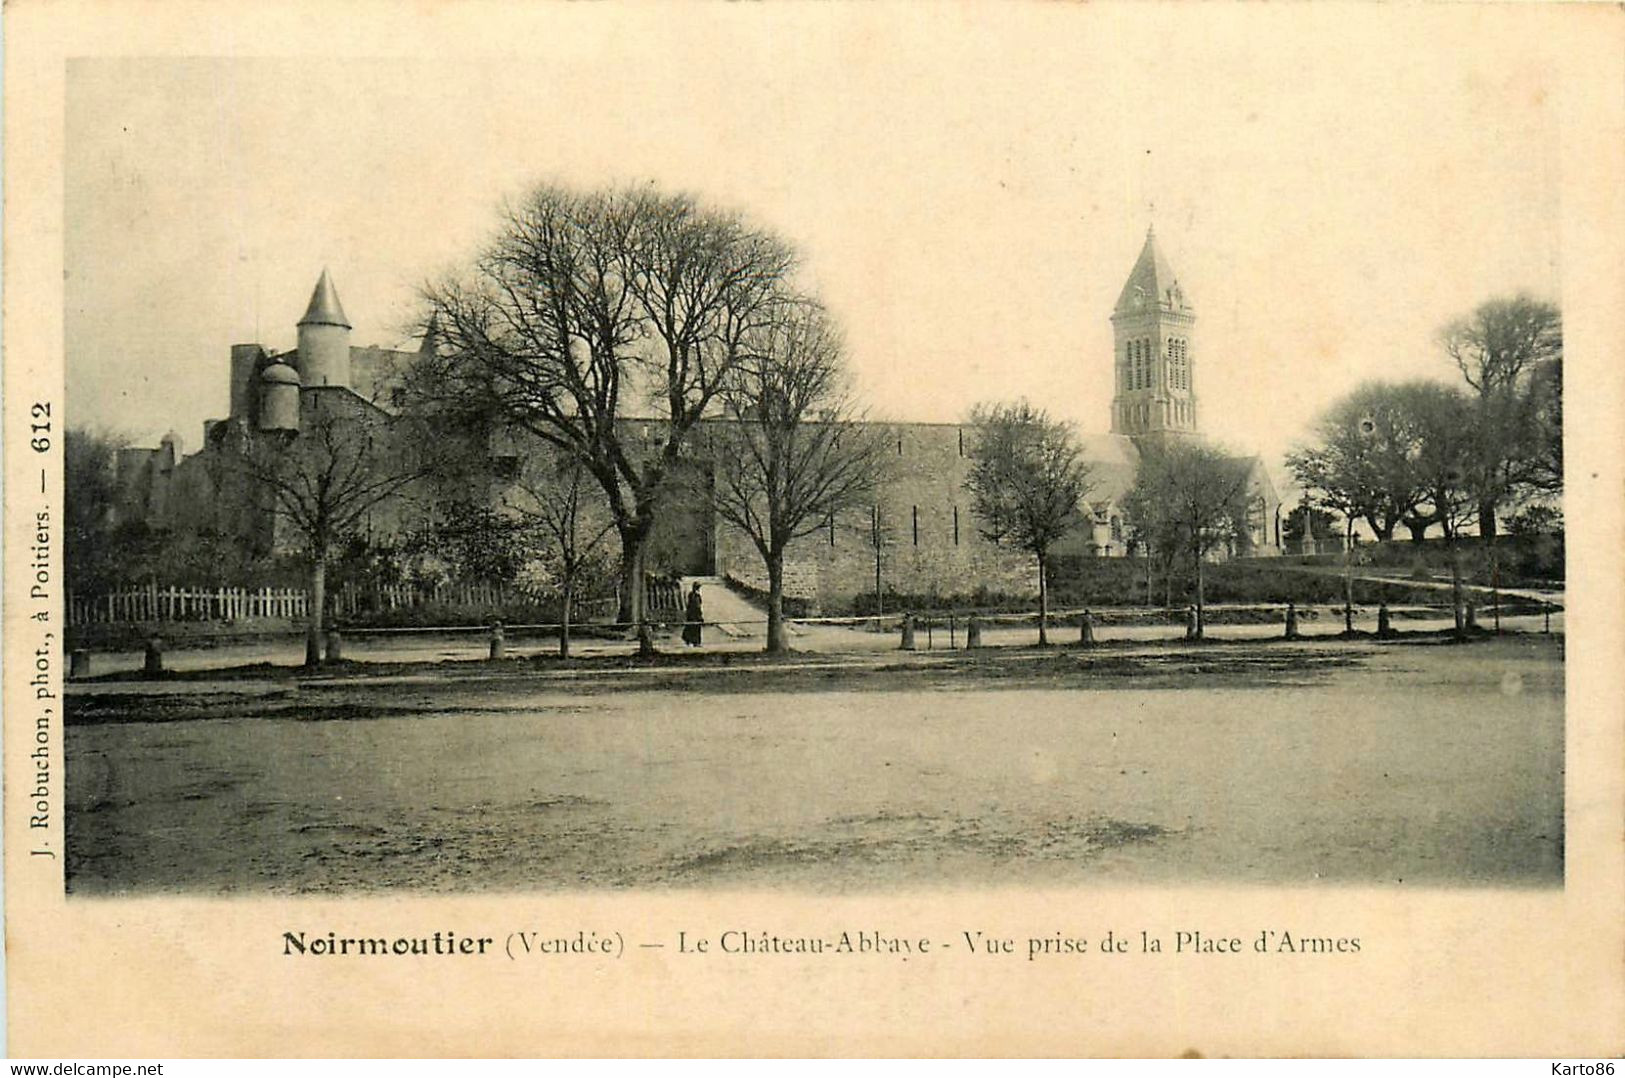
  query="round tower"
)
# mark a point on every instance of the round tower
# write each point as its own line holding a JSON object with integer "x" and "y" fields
{"x": 279, "y": 398}
{"x": 324, "y": 339}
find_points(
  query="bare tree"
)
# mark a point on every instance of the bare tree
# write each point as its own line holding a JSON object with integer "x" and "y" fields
{"x": 1027, "y": 481}
{"x": 792, "y": 453}
{"x": 586, "y": 306}
{"x": 324, "y": 479}
{"x": 1192, "y": 497}
{"x": 1444, "y": 462}
{"x": 555, "y": 498}
{"x": 1501, "y": 350}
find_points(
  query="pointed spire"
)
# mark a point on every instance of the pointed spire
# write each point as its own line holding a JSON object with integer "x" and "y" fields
{"x": 324, "y": 306}
{"x": 431, "y": 336}
{"x": 1151, "y": 282}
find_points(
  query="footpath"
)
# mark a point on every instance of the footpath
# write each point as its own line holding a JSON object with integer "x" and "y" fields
{"x": 1550, "y": 596}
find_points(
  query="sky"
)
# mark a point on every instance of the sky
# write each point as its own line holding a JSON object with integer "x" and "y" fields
{"x": 968, "y": 192}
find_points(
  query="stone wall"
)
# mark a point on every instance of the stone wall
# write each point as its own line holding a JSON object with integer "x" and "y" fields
{"x": 929, "y": 541}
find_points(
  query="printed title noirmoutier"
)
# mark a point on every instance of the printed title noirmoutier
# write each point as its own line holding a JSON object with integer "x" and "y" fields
{"x": 922, "y": 510}
{"x": 862, "y": 942}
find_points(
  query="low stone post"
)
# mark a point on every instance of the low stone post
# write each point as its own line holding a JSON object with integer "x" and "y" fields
{"x": 1292, "y": 621}
{"x": 1190, "y": 623}
{"x": 1472, "y": 616}
{"x": 1086, "y": 629}
{"x": 335, "y": 646}
{"x": 908, "y": 632}
{"x": 79, "y": 663}
{"x": 155, "y": 656}
{"x": 973, "y": 632}
{"x": 1385, "y": 622}
{"x": 499, "y": 641}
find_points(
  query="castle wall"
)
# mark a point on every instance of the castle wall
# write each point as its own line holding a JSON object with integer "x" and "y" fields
{"x": 376, "y": 374}
{"x": 929, "y": 541}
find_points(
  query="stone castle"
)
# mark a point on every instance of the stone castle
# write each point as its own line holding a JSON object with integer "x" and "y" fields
{"x": 918, "y": 538}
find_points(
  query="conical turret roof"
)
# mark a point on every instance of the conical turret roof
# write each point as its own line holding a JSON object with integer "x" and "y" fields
{"x": 1152, "y": 281}
{"x": 324, "y": 306}
{"x": 431, "y": 336}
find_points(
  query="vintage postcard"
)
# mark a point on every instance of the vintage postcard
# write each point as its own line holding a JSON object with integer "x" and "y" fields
{"x": 942, "y": 530}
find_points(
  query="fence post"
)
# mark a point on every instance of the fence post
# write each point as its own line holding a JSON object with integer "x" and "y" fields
{"x": 79, "y": 663}
{"x": 1385, "y": 624}
{"x": 1291, "y": 621}
{"x": 908, "y": 632}
{"x": 1086, "y": 629}
{"x": 1472, "y": 616}
{"x": 154, "y": 663}
{"x": 335, "y": 645}
{"x": 973, "y": 632}
{"x": 499, "y": 641}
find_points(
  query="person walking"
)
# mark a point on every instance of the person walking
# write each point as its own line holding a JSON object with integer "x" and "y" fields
{"x": 693, "y": 618}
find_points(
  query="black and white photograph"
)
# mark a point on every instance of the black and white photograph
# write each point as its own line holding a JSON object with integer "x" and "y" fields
{"x": 1056, "y": 507}
{"x": 824, "y": 454}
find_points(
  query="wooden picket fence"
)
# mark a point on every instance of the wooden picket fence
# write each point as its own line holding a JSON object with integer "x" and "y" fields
{"x": 352, "y": 599}
{"x": 152, "y": 603}
{"x": 359, "y": 602}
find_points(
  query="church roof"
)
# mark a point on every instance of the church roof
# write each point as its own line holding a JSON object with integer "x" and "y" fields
{"x": 1113, "y": 461}
{"x": 324, "y": 306}
{"x": 1151, "y": 279}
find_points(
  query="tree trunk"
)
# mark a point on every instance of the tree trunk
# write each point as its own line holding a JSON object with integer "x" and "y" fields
{"x": 878, "y": 602}
{"x": 1455, "y": 587}
{"x": 564, "y": 619}
{"x": 1201, "y": 607}
{"x": 629, "y": 609}
{"x": 646, "y": 642}
{"x": 1486, "y": 520}
{"x": 634, "y": 535}
{"x": 775, "y": 602}
{"x": 1418, "y": 530}
{"x": 1348, "y": 576}
{"x": 318, "y": 604}
{"x": 1043, "y": 604}
{"x": 634, "y": 606}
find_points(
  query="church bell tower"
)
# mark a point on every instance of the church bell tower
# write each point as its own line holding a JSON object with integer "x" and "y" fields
{"x": 1152, "y": 322}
